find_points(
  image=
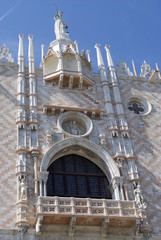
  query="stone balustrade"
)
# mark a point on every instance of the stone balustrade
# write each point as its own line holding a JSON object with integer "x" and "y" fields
{"x": 69, "y": 206}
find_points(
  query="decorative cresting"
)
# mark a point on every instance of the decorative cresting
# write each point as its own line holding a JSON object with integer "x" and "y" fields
{"x": 74, "y": 123}
{"x": 123, "y": 69}
{"x": 5, "y": 54}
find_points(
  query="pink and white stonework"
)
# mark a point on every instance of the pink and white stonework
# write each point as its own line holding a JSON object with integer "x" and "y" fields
{"x": 63, "y": 112}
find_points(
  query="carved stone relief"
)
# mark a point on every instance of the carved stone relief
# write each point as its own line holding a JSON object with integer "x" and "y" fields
{"x": 73, "y": 128}
{"x": 74, "y": 123}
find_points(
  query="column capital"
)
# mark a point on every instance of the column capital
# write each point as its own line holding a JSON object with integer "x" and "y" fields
{"x": 34, "y": 154}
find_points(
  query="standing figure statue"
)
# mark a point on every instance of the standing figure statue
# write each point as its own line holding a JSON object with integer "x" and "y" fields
{"x": 23, "y": 187}
{"x": 60, "y": 26}
{"x": 139, "y": 197}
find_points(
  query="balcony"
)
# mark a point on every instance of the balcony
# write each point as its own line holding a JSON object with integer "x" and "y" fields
{"x": 85, "y": 212}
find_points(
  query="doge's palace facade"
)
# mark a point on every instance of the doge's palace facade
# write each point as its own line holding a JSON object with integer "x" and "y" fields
{"x": 80, "y": 151}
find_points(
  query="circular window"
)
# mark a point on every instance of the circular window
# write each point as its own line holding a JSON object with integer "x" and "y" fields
{"x": 139, "y": 105}
{"x": 75, "y": 124}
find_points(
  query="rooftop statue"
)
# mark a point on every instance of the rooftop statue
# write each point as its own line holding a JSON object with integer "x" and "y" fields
{"x": 146, "y": 70}
{"x": 60, "y": 26}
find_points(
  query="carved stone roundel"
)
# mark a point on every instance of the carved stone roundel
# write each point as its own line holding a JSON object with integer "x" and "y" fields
{"x": 75, "y": 124}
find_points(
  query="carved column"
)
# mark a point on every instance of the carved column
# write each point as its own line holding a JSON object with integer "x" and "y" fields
{"x": 117, "y": 187}
{"x": 123, "y": 129}
{"x": 43, "y": 177}
{"x": 60, "y": 57}
{"x": 78, "y": 58}
{"x": 112, "y": 123}
{"x": 35, "y": 158}
{"x": 21, "y": 121}
{"x": 33, "y": 121}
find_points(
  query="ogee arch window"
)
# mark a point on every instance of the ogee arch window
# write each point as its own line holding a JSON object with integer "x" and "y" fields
{"x": 75, "y": 176}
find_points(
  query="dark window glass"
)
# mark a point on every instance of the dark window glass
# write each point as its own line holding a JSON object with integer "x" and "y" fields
{"x": 76, "y": 176}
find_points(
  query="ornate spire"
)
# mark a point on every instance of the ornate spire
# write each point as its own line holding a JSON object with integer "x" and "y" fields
{"x": 109, "y": 58}
{"x": 60, "y": 27}
{"x": 31, "y": 58}
{"x": 99, "y": 57}
{"x": 21, "y": 57}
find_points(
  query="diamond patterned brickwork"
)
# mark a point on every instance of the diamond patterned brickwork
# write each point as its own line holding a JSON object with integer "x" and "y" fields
{"x": 145, "y": 132}
{"x": 8, "y": 141}
{"x": 53, "y": 95}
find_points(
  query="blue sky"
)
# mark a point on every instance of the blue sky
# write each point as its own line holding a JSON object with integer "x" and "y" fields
{"x": 131, "y": 27}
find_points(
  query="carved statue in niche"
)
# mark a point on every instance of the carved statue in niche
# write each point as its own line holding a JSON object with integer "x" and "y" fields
{"x": 138, "y": 196}
{"x": 23, "y": 189}
{"x": 60, "y": 26}
{"x": 73, "y": 128}
{"x": 49, "y": 137}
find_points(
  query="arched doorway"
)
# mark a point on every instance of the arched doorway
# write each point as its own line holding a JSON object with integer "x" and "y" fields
{"x": 76, "y": 176}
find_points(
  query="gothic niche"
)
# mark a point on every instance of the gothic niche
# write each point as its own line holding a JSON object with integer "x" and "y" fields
{"x": 34, "y": 137}
{"x": 74, "y": 124}
{"x": 21, "y": 135}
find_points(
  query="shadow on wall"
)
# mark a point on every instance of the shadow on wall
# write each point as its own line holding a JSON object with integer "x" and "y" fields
{"x": 8, "y": 95}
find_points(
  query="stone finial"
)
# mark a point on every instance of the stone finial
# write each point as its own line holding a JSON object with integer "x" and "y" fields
{"x": 42, "y": 52}
{"x": 88, "y": 55}
{"x": 31, "y": 58}
{"x": 76, "y": 46}
{"x": 20, "y": 49}
{"x": 30, "y": 50}
{"x": 21, "y": 57}
{"x": 109, "y": 58}
{"x": 99, "y": 57}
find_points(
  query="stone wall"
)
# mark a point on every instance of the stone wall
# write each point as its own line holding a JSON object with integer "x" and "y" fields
{"x": 146, "y": 140}
{"x": 8, "y": 144}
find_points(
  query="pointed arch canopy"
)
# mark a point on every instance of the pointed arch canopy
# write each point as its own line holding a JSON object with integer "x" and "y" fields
{"x": 74, "y": 145}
